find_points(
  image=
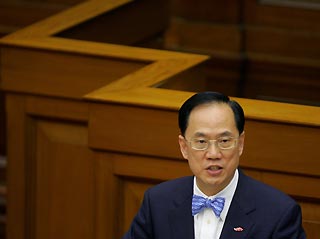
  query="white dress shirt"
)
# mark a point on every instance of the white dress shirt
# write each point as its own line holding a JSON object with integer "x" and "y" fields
{"x": 206, "y": 224}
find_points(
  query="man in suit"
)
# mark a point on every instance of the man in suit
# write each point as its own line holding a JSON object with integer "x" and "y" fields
{"x": 219, "y": 201}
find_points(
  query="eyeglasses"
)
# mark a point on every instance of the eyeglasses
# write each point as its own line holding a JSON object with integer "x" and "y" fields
{"x": 222, "y": 143}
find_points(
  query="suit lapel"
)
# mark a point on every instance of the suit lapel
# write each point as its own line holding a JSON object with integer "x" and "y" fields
{"x": 238, "y": 224}
{"x": 180, "y": 217}
{"x": 238, "y": 221}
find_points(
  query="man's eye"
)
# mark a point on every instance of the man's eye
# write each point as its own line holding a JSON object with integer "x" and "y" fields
{"x": 201, "y": 141}
{"x": 224, "y": 140}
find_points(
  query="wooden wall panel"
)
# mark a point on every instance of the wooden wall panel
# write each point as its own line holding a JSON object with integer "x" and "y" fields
{"x": 2, "y": 124}
{"x": 132, "y": 193}
{"x": 129, "y": 183}
{"x": 107, "y": 206}
{"x": 202, "y": 37}
{"x": 154, "y": 168}
{"x": 253, "y": 33}
{"x": 64, "y": 182}
{"x": 57, "y": 108}
{"x": 298, "y": 15}
{"x": 310, "y": 214}
{"x": 16, "y": 204}
{"x": 207, "y": 10}
{"x": 282, "y": 42}
{"x": 267, "y": 80}
{"x": 53, "y": 194}
{"x": 274, "y": 146}
{"x": 126, "y": 134}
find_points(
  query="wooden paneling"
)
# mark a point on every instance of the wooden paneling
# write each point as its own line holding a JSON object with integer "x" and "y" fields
{"x": 272, "y": 34}
{"x": 89, "y": 123}
{"x": 62, "y": 161}
{"x": 267, "y": 80}
{"x": 282, "y": 15}
{"x": 57, "y": 108}
{"x": 132, "y": 193}
{"x": 310, "y": 213}
{"x": 55, "y": 194}
{"x": 207, "y": 10}
{"x": 151, "y": 168}
{"x": 2, "y": 124}
{"x": 284, "y": 147}
{"x": 202, "y": 37}
{"x": 159, "y": 129}
{"x": 283, "y": 42}
{"x": 107, "y": 206}
{"x": 16, "y": 151}
{"x": 129, "y": 176}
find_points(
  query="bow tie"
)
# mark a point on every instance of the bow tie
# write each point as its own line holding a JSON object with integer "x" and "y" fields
{"x": 199, "y": 203}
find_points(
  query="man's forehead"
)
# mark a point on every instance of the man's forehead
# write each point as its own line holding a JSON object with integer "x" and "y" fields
{"x": 211, "y": 112}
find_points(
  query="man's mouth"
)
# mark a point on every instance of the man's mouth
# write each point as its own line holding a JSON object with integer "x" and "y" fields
{"x": 214, "y": 168}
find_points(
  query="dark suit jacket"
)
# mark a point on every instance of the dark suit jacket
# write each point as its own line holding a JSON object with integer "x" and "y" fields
{"x": 262, "y": 211}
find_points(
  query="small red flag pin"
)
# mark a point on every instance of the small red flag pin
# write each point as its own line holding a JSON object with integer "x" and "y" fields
{"x": 238, "y": 229}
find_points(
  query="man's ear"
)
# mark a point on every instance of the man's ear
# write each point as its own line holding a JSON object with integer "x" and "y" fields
{"x": 183, "y": 146}
{"x": 241, "y": 142}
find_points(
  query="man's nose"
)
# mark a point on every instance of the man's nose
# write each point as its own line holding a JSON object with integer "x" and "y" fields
{"x": 213, "y": 149}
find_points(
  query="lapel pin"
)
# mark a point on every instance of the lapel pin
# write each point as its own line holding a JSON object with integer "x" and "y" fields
{"x": 238, "y": 229}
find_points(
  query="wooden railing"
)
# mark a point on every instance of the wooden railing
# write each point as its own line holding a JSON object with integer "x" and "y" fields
{"x": 89, "y": 123}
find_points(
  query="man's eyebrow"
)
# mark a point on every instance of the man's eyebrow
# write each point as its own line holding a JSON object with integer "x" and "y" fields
{"x": 199, "y": 134}
{"x": 226, "y": 133}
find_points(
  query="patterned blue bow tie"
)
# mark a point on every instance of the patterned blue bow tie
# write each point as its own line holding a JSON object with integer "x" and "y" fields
{"x": 199, "y": 203}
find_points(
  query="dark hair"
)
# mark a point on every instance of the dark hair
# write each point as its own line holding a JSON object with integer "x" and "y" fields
{"x": 205, "y": 98}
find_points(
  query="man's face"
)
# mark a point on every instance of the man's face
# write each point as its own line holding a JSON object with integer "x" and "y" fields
{"x": 213, "y": 167}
